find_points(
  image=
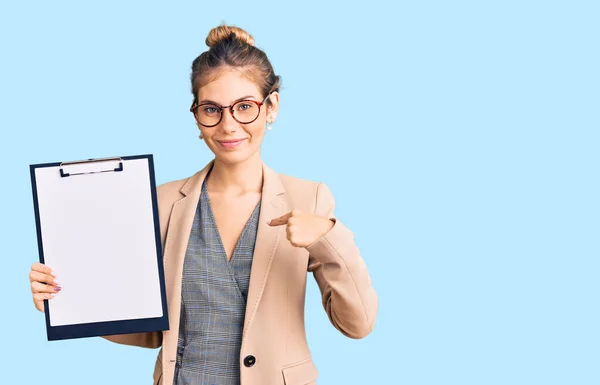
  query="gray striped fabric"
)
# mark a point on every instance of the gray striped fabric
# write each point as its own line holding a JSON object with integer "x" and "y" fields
{"x": 213, "y": 301}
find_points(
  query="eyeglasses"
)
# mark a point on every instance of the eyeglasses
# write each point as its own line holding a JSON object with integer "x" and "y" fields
{"x": 243, "y": 111}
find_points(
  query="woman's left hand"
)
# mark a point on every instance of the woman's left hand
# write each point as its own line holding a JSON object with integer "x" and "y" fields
{"x": 303, "y": 229}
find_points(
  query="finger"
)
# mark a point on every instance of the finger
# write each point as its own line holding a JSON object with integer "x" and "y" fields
{"x": 282, "y": 220}
{"x": 290, "y": 231}
{"x": 42, "y": 296}
{"x": 35, "y": 276}
{"x": 38, "y": 287}
{"x": 41, "y": 268}
{"x": 291, "y": 235}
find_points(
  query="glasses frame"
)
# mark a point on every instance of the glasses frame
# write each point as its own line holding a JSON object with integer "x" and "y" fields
{"x": 195, "y": 106}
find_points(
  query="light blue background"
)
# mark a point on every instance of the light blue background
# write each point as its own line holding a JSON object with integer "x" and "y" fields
{"x": 460, "y": 140}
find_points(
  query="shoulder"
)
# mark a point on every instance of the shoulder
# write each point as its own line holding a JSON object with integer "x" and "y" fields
{"x": 295, "y": 185}
{"x": 306, "y": 193}
{"x": 170, "y": 192}
{"x": 301, "y": 186}
{"x": 172, "y": 187}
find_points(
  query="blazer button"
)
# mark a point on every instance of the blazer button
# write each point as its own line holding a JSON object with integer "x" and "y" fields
{"x": 249, "y": 361}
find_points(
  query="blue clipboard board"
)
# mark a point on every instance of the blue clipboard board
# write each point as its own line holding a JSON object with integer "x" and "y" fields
{"x": 98, "y": 227}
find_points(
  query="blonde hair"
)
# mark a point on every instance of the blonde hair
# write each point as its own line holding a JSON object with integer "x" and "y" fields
{"x": 232, "y": 47}
{"x": 222, "y": 32}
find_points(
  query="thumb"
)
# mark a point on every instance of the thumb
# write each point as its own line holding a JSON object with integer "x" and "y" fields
{"x": 282, "y": 220}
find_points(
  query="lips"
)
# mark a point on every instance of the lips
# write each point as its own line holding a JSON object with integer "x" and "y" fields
{"x": 230, "y": 143}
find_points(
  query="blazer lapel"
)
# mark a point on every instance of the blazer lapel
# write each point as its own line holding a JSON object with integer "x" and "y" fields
{"x": 180, "y": 222}
{"x": 267, "y": 238}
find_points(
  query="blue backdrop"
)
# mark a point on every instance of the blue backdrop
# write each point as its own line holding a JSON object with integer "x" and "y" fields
{"x": 460, "y": 140}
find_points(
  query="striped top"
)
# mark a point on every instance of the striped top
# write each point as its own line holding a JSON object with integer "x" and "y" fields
{"x": 213, "y": 301}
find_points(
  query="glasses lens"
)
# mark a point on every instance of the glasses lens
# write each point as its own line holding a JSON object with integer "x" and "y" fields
{"x": 245, "y": 111}
{"x": 208, "y": 114}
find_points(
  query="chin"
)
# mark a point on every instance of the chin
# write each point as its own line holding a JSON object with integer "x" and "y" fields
{"x": 232, "y": 157}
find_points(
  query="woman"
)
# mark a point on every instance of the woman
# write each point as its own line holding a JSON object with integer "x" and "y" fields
{"x": 238, "y": 239}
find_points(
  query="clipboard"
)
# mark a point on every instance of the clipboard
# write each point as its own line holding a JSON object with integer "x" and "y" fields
{"x": 98, "y": 228}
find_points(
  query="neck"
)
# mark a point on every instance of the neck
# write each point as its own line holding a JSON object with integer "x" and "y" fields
{"x": 237, "y": 178}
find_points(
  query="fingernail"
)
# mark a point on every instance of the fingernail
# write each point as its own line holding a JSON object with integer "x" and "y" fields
{"x": 57, "y": 288}
{"x": 52, "y": 273}
{"x": 55, "y": 282}
{"x": 52, "y": 295}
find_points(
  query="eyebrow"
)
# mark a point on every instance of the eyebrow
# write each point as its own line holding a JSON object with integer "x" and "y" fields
{"x": 236, "y": 100}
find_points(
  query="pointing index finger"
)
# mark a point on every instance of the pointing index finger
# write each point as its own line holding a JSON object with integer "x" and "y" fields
{"x": 282, "y": 220}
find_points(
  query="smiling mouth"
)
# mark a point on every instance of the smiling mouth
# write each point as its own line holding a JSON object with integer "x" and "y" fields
{"x": 230, "y": 143}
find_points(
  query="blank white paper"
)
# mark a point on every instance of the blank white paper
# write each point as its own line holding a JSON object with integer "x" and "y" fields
{"x": 98, "y": 236}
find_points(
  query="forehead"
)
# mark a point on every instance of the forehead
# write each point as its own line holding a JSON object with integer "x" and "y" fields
{"x": 227, "y": 86}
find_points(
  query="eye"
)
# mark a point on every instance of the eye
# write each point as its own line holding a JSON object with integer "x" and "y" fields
{"x": 209, "y": 110}
{"x": 244, "y": 106}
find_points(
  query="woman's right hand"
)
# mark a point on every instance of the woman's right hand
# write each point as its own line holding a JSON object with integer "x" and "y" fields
{"x": 43, "y": 284}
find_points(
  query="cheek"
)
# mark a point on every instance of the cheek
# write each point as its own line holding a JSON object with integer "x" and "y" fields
{"x": 256, "y": 130}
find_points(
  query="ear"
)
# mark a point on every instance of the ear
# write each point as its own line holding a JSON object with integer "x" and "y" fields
{"x": 273, "y": 108}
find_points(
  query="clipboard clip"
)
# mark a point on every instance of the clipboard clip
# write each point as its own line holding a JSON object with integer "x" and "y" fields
{"x": 64, "y": 174}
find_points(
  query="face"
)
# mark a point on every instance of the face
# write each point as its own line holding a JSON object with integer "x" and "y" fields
{"x": 230, "y": 140}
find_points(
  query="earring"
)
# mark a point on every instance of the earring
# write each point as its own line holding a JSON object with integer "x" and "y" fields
{"x": 269, "y": 123}
{"x": 200, "y": 136}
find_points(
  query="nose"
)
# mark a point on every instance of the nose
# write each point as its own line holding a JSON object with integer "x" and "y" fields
{"x": 228, "y": 123}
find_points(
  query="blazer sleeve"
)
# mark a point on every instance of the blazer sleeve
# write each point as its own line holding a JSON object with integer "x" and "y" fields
{"x": 150, "y": 340}
{"x": 341, "y": 273}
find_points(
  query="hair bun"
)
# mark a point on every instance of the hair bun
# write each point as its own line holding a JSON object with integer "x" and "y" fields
{"x": 222, "y": 32}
